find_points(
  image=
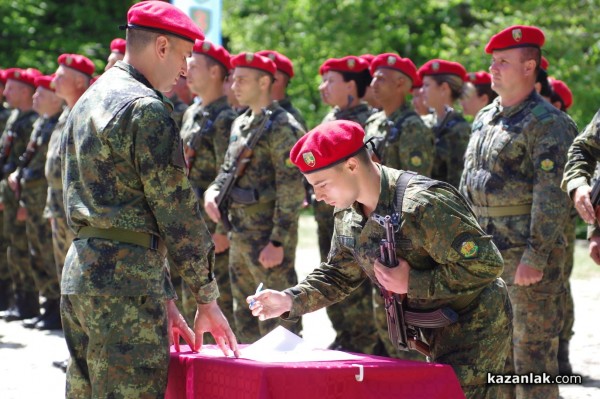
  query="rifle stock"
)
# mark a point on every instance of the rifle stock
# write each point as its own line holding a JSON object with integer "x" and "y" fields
{"x": 190, "y": 149}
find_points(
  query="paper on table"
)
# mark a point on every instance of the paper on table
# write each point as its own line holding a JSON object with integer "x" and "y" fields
{"x": 283, "y": 346}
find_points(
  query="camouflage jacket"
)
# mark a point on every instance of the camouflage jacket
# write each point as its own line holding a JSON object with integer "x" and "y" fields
{"x": 54, "y": 202}
{"x": 123, "y": 167}
{"x": 516, "y": 156}
{"x": 287, "y": 105}
{"x": 403, "y": 140}
{"x": 178, "y": 110}
{"x": 210, "y": 143}
{"x": 38, "y": 143}
{"x": 19, "y": 125}
{"x": 449, "y": 254}
{"x": 451, "y": 140}
{"x": 270, "y": 174}
{"x": 358, "y": 114}
{"x": 4, "y": 115}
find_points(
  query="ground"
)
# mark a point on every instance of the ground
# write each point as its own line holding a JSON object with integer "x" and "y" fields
{"x": 26, "y": 355}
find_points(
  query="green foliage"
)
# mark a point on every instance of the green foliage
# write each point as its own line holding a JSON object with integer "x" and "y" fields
{"x": 310, "y": 31}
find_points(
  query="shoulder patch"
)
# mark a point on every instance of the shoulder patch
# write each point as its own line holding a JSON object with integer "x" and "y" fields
{"x": 547, "y": 165}
{"x": 466, "y": 246}
{"x": 541, "y": 113}
{"x": 416, "y": 158}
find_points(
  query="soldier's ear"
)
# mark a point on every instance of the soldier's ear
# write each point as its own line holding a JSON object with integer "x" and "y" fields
{"x": 161, "y": 46}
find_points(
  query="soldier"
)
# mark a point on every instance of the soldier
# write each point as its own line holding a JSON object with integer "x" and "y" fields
{"x": 30, "y": 187}
{"x": 478, "y": 92}
{"x": 438, "y": 226}
{"x": 130, "y": 204}
{"x": 181, "y": 97}
{"x": 283, "y": 76}
{"x": 370, "y": 97}
{"x": 513, "y": 166}
{"x": 442, "y": 87}
{"x": 117, "y": 52}
{"x": 345, "y": 82}
{"x": 20, "y": 86}
{"x": 205, "y": 134}
{"x": 562, "y": 97}
{"x": 262, "y": 247}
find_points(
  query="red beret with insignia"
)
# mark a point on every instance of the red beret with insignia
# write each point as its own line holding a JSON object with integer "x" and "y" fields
{"x": 367, "y": 57}
{"x": 118, "y": 45}
{"x": 324, "y": 67}
{"x": 479, "y": 78}
{"x": 255, "y": 61}
{"x": 326, "y": 145}
{"x": 45, "y": 81}
{"x": 442, "y": 67}
{"x": 77, "y": 62}
{"x": 516, "y": 36}
{"x": 26, "y": 76}
{"x": 162, "y": 17}
{"x": 350, "y": 63}
{"x": 545, "y": 64}
{"x": 283, "y": 63}
{"x": 562, "y": 90}
{"x": 214, "y": 51}
{"x": 394, "y": 61}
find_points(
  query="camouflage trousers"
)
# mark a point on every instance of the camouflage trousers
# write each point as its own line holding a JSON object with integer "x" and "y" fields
{"x": 118, "y": 345}
{"x": 4, "y": 270}
{"x": 566, "y": 333}
{"x": 352, "y": 319}
{"x": 538, "y": 318}
{"x": 39, "y": 237}
{"x": 62, "y": 237}
{"x": 247, "y": 273}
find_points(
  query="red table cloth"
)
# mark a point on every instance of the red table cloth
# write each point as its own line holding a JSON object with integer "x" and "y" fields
{"x": 197, "y": 375}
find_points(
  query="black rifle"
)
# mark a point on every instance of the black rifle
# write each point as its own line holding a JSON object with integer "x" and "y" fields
{"x": 24, "y": 161}
{"x": 5, "y": 151}
{"x": 238, "y": 169}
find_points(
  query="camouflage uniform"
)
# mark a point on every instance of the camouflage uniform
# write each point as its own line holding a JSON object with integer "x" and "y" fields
{"x": 513, "y": 166}
{"x": 441, "y": 227}
{"x": 210, "y": 147}
{"x": 123, "y": 168}
{"x": 179, "y": 108}
{"x": 19, "y": 262}
{"x": 5, "y": 281}
{"x": 62, "y": 235}
{"x": 34, "y": 189}
{"x": 352, "y": 319}
{"x": 279, "y": 187}
{"x": 287, "y": 105}
{"x": 451, "y": 139}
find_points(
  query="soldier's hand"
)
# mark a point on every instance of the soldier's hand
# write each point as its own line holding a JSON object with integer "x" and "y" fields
{"x": 221, "y": 243}
{"x": 178, "y": 327}
{"x": 12, "y": 180}
{"x": 210, "y": 205}
{"x": 271, "y": 256}
{"x": 583, "y": 204}
{"x": 595, "y": 249}
{"x": 268, "y": 304}
{"x": 527, "y": 275}
{"x": 209, "y": 318}
{"x": 393, "y": 279}
{"x": 21, "y": 214}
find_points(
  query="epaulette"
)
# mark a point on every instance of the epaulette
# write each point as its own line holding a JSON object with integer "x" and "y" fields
{"x": 542, "y": 113}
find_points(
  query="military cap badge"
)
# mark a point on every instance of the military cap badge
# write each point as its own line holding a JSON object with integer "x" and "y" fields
{"x": 517, "y": 34}
{"x": 249, "y": 57}
{"x": 415, "y": 160}
{"x": 391, "y": 60}
{"x": 205, "y": 46}
{"x": 547, "y": 165}
{"x": 472, "y": 76}
{"x": 435, "y": 66}
{"x": 469, "y": 249}
{"x": 17, "y": 74}
{"x": 69, "y": 60}
{"x": 309, "y": 159}
{"x": 271, "y": 56}
{"x": 52, "y": 85}
{"x": 351, "y": 63}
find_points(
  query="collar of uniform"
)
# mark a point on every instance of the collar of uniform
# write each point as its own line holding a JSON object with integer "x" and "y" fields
{"x": 349, "y": 113}
{"x": 137, "y": 75}
{"x": 508, "y": 112}
{"x": 385, "y": 203}
{"x": 215, "y": 105}
{"x": 285, "y": 102}
{"x": 398, "y": 113}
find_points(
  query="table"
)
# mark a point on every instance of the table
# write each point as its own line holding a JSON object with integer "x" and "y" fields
{"x": 198, "y": 375}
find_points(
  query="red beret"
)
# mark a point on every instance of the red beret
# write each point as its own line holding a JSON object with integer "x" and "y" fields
{"x": 442, "y": 67}
{"x": 324, "y": 67}
{"x": 45, "y": 81}
{"x": 326, "y": 145}
{"x": 77, "y": 62}
{"x": 283, "y": 63}
{"x": 118, "y": 45}
{"x": 2, "y": 76}
{"x": 251, "y": 60}
{"x": 367, "y": 57}
{"x": 516, "y": 36}
{"x": 545, "y": 64}
{"x": 26, "y": 76}
{"x": 214, "y": 51}
{"x": 162, "y": 17}
{"x": 480, "y": 78}
{"x": 563, "y": 91}
{"x": 394, "y": 61}
{"x": 350, "y": 63}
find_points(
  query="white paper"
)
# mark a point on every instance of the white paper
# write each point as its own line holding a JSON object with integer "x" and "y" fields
{"x": 283, "y": 346}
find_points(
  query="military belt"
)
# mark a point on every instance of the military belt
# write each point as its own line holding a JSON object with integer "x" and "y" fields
{"x": 33, "y": 183}
{"x": 145, "y": 240}
{"x": 501, "y": 211}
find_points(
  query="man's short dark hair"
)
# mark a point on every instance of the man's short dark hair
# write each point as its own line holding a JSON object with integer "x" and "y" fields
{"x": 138, "y": 39}
{"x": 532, "y": 53}
{"x": 362, "y": 80}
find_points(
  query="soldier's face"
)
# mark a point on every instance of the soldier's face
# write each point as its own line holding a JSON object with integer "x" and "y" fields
{"x": 508, "y": 70}
{"x": 174, "y": 63}
{"x": 432, "y": 92}
{"x": 44, "y": 101}
{"x": 246, "y": 87}
{"x": 198, "y": 73}
{"x": 335, "y": 90}
{"x": 418, "y": 103}
{"x": 385, "y": 85}
{"x": 336, "y": 186}
{"x": 16, "y": 93}
{"x": 65, "y": 82}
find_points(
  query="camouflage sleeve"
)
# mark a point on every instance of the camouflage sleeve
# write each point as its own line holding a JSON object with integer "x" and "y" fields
{"x": 583, "y": 155}
{"x": 550, "y": 205}
{"x": 288, "y": 180}
{"x": 333, "y": 281}
{"x": 417, "y": 150}
{"x": 445, "y": 228}
{"x": 221, "y": 137}
{"x": 158, "y": 158}
{"x": 456, "y": 141}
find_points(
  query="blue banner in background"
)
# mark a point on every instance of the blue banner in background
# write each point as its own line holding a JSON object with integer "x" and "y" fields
{"x": 206, "y": 14}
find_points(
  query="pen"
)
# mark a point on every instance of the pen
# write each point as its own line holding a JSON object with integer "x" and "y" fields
{"x": 260, "y": 286}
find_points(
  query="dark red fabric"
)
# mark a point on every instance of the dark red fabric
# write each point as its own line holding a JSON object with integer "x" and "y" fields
{"x": 283, "y": 63}
{"x": 194, "y": 375}
{"x": 545, "y": 64}
{"x": 163, "y": 16}
{"x": 516, "y": 36}
{"x": 480, "y": 78}
{"x": 394, "y": 61}
{"x": 214, "y": 51}
{"x": 118, "y": 45}
{"x": 563, "y": 91}
{"x": 442, "y": 67}
{"x": 255, "y": 61}
{"x": 349, "y": 63}
{"x": 77, "y": 62}
{"x": 26, "y": 76}
{"x": 45, "y": 81}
